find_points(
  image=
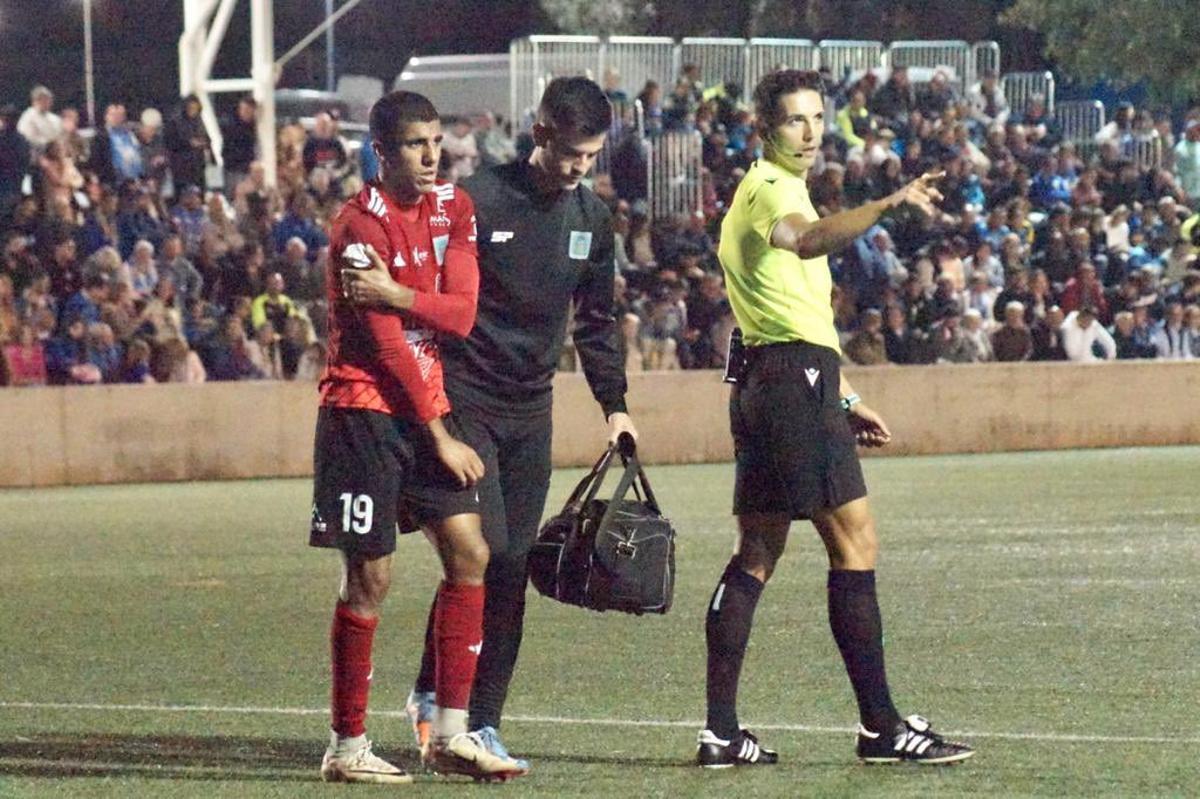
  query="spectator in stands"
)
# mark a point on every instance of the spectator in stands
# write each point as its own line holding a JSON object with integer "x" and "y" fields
{"x": 189, "y": 219}
{"x": 979, "y": 294}
{"x": 1047, "y": 336}
{"x": 937, "y": 97}
{"x": 1084, "y": 289}
{"x": 895, "y": 100}
{"x": 273, "y": 305}
{"x": 989, "y": 106}
{"x": 67, "y": 358}
{"x": 14, "y": 159}
{"x": 227, "y": 355}
{"x": 1187, "y": 163}
{"x": 188, "y": 145}
{"x": 1012, "y": 342}
{"x": 38, "y": 124}
{"x": 302, "y": 277}
{"x": 156, "y": 161}
{"x": 298, "y": 223}
{"x": 1125, "y": 335}
{"x": 135, "y": 365}
{"x": 142, "y": 271}
{"x": 103, "y": 352}
{"x": 1173, "y": 339}
{"x": 264, "y": 352}
{"x": 868, "y": 346}
{"x": 116, "y": 156}
{"x": 85, "y": 304}
{"x": 324, "y": 147}
{"x": 220, "y": 234}
{"x": 854, "y": 121}
{"x": 705, "y": 307}
{"x": 25, "y": 359}
{"x": 1040, "y": 125}
{"x": 185, "y": 278}
{"x": 76, "y": 147}
{"x": 460, "y": 153}
{"x": 1081, "y": 332}
{"x": 139, "y": 219}
{"x": 312, "y": 363}
{"x": 59, "y": 179}
{"x": 173, "y": 362}
{"x": 240, "y": 147}
{"x": 1049, "y": 186}
{"x": 494, "y": 147}
{"x": 679, "y": 109}
{"x": 651, "y": 100}
{"x": 976, "y": 341}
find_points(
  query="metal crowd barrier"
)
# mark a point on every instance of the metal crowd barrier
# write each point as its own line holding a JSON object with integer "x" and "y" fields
{"x": 639, "y": 59}
{"x": 846, "y": 56}
{"x": 536, "y": 60}
{"x": 764, "y": 56}
{"x": 1146, "y": 153}
{"x": 676, "y": 179}
{"x": 985, "y": 57}
{"x": 1080, "y": 120}
{"x": 1020, "y": 87}
{"x": 953, "y": 57}
{"x": 719, "y": 60}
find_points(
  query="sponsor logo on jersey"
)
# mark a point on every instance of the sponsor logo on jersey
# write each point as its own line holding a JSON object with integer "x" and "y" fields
{"x": 318, "y": 524}
{"x": 812, "y": 375}
{"x": 581, "y": 245}
{"x": 398, "y": 261}
{"x": 474, "y": 233}
{"x": 501, "y": 236}
{"x": 442, "y": 194}
{"x": 419, "y": 256}
{"x": 441, "y": 220}
{"x": 475, "y": 649}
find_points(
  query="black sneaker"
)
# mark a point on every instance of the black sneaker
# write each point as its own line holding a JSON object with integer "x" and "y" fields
{"x": 912, "y": 740}
{"x": 744, "y": 750}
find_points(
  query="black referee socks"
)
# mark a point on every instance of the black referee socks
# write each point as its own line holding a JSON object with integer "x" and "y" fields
{"x": 727, "y": 631}
{"x": 858, "y": 630}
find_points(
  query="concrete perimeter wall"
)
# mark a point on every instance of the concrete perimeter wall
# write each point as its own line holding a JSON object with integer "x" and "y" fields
{"x": 109, "y": 434}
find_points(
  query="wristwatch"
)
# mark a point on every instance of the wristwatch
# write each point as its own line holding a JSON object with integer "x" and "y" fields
{"x": 849, "y": 401}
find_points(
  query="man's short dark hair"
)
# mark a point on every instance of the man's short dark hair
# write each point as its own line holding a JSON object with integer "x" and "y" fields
{"x": 393, "y": 112}
{"x": 577, "y": 105}
{"x": 775, "y": 85}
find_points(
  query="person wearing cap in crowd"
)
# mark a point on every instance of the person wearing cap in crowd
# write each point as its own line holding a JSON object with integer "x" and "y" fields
{"x": 38, "y": 124}
{"x": 1081, "y": 331}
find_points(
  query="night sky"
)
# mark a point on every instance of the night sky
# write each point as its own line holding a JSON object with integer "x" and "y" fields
{"x": 136, "y": 41}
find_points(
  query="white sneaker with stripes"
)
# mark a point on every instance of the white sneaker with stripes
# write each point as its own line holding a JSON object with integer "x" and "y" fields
{"x": 912, "y": 740}
{"x": 743, "y": 750}
{"x": 360, "y": 765}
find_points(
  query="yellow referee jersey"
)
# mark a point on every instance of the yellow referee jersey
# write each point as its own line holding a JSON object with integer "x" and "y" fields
{"x": 776, "y": 296}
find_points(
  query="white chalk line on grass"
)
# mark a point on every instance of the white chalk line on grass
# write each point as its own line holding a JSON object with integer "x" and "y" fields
{"x": 593, "y": 722}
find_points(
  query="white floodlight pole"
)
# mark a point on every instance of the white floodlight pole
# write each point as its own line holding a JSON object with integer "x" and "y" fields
{"x": 264, "y": 74}
{"x": 89, "y": 85}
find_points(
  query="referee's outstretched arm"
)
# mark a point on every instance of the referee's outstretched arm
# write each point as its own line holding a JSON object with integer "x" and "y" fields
{"x": 824, "y": 236}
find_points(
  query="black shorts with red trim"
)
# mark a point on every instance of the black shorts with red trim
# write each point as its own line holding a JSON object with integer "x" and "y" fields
{"x": 376, "y": 474}
{"x": 794, "y": 448}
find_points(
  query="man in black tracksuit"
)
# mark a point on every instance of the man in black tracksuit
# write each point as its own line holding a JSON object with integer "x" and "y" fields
{"x": 545, "y": 245}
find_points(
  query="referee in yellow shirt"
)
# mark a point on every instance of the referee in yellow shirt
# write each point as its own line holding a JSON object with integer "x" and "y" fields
{"x": 795, "y": 420}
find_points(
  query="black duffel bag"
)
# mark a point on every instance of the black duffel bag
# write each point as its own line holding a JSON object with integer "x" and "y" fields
{"x": 615, "y": 554}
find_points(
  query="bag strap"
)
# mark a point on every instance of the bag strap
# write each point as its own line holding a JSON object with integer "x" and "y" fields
{"x": 590, "y": 483}
{"x": 633, "y": 471}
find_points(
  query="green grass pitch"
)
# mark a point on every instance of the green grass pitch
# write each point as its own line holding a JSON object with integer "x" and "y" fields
{"x": 170, "y": 641}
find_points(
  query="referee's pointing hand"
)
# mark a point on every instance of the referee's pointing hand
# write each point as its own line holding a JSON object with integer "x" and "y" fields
{"x": 920, "y": 193}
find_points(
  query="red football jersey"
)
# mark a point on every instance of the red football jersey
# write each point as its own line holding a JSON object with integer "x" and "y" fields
{"x": 388, "y": 361}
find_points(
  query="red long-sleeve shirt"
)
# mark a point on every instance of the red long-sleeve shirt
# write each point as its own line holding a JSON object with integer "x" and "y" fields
{"x": 387, "y": 361}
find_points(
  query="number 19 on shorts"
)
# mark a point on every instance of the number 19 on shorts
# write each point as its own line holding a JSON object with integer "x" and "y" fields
{"x": 357, "y": 513}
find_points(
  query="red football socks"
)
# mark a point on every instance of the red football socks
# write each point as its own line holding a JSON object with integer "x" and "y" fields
{"x": 350, "y": 645}
{"x": 458, "y": 636}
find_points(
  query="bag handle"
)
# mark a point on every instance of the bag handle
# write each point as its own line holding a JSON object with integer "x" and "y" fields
{"x": 590, "y": 483}
{"x": 633, "y": 471}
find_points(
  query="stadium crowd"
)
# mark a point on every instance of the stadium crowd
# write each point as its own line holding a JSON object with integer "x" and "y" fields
{"x": 119, "y": 264}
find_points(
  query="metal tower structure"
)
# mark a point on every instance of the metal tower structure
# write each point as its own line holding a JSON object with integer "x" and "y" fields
{"x": 205, "y": 23}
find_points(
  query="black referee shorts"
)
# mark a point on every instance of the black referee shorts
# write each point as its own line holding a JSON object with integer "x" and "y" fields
{"x": 374, "y": 474}
{"x": 794, "y": 448}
